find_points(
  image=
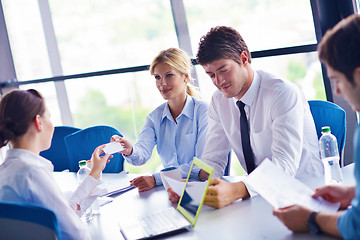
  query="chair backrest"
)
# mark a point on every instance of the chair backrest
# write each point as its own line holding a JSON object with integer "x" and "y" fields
{"x": 81, "y": 144}
{"x": 26, "y": 221}
{"x": 329, "y": 114}
{"x": 227, "y": 168}
{"x": 57, "y": 152}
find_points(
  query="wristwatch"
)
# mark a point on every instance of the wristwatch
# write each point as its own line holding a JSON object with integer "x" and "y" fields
{"x": 313, "y": 226}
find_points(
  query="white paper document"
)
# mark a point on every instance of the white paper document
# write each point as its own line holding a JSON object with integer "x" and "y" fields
{"x": 176, "y": 185}
{"x": 282, "y": 190}
{"x": 113, "y": 147}
{"x": 194, "y": 189}
{"x": 109, "y": 189}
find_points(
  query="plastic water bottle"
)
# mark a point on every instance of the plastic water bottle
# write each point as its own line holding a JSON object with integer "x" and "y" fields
{"x": 83, "y": 171}
{"x": 330, "y": 157}
{"x": 81, "y": 174}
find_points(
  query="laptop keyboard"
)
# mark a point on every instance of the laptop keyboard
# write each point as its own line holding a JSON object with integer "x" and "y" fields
{"x": 162, "y": 221}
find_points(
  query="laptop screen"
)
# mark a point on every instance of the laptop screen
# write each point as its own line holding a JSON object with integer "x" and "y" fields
{"x": 194, "y": 193}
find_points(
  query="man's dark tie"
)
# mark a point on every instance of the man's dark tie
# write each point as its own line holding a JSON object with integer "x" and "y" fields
{"x": 245, "y": 138}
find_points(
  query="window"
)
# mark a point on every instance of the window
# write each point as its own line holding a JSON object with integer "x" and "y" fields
{"x": 263, "y": 24}
{"x": 99, "y": 35}
{"x": 27, "y": 40}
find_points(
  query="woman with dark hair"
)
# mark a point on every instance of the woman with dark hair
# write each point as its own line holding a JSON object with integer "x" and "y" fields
{"x": 27, "y": 177}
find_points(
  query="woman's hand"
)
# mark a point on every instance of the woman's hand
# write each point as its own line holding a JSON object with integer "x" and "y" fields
{"x": 173, "y": 197}
{"x": 143, "y": 183}
{"x": 128, "y": 148}
{"x": 98, "y": 163}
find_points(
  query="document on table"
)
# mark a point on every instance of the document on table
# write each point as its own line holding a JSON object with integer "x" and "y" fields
{"x": 282, "y": 190}
{"x": 118, "y": 185}
{"x": 111, "y": 189}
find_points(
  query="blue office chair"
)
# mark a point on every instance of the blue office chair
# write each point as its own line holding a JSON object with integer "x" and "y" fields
{"x": 329, "y": 114}
{"x": 227, "y": 168}
{"x": 57, "y": 153}
{"x": 26, "y": 221}
{"x": 81, "y": 144}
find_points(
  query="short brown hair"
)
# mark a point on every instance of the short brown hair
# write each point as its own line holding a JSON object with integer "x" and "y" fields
{"x": 340, "y": 46}
{"x": 221, "y": 42}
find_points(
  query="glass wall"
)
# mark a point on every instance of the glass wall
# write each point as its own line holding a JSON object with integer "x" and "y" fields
{"x": 100, "y": 35}
{"x": 265, "y": 24}
{"x": 27, "y": 39}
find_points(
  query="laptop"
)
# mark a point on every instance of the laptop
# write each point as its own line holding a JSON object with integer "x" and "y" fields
{"x": 170, "y": 220}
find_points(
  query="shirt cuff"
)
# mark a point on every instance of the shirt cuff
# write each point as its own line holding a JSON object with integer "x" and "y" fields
{"x": 252, "y": 192}
{"x": 157, "y": 179}
{"x": 85, "y": 189}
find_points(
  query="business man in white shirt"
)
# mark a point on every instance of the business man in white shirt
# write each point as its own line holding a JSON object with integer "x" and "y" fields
{"x": 276, "y": 124}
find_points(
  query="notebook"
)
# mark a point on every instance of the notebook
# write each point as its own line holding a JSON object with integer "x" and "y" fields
{"x": 171, "y": 220}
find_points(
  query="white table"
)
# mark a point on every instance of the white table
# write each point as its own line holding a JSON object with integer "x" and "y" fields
{"x": 244, "y": 219}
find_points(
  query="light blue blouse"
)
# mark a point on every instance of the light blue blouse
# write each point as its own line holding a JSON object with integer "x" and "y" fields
{"x": 177, "y": 143}
{"x": 349, "y": 222}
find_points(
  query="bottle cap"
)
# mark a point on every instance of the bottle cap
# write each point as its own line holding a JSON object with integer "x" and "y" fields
{"x": 325, "y": 129}
{"x": 82, "y": 163}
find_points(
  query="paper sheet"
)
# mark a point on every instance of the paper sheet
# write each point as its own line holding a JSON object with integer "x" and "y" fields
{"x": 194, "y": 189}
{"x": 282, "y": 190}
{"x": 173, "y": 174}
{"x": 108, "y": 189}
{"x": 176, "y": 185}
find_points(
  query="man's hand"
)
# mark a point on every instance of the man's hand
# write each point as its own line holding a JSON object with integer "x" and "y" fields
{"x": 294, "y": 217}
{"x": 336, "y": 193}
{"x": 143, "y": 183}
{"x": 222, "y": 193}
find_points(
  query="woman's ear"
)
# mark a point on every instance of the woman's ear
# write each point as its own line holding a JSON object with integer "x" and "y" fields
{"x": 187, "y": 79}
{"x": 38, "y": 122}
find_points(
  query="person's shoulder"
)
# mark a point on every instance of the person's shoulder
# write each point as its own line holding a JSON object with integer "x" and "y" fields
{"x": 277, "y": 91}
{"x": 158, "y": 111}
{"x": 200, "y": 103}
{"x": 21, "y": 167}
{"x": 274, "y": 83}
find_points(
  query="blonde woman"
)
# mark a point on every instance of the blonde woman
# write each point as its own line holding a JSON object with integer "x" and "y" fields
{"x": 177, "y": 127}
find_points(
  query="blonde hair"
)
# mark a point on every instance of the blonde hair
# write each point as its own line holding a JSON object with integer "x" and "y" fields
{"x": 178, "y": 60}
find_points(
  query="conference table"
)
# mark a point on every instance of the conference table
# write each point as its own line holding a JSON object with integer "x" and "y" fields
{"x": 250, "y": 218}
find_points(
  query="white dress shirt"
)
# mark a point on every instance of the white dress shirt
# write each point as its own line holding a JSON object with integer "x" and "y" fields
{"x": 28, "y": 178}
{"x": 281, "y": 128}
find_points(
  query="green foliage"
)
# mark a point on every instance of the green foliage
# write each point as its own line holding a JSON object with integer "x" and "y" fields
{"x": 296, "y": 72}
{"x": 318, "y": 84}
{"x": 95, "y": 111}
